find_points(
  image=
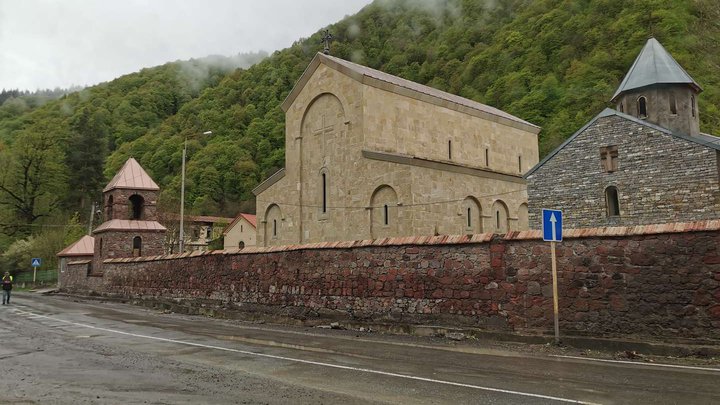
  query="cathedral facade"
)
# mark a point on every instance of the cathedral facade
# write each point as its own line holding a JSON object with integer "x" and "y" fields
{"x": 370, "y": 155}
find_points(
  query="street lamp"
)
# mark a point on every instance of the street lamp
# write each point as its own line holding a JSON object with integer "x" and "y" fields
{"x": 181, "y": 242}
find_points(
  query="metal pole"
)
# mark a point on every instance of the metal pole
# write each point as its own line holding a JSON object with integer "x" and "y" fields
{"x": 555, "y": 293}
{"x": 34, "y": 274}
{"x": 181, "y": 242}
{"x": 92, "y": 216}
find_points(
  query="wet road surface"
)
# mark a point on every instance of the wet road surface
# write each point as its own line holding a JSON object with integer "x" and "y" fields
{"x": 65, "y": 351}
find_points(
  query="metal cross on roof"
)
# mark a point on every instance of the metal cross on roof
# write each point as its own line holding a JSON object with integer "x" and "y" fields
{"x": 327, "y": 37}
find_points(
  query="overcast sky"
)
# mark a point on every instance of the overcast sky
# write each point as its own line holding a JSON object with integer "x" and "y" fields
{"x": 59, "y": 43}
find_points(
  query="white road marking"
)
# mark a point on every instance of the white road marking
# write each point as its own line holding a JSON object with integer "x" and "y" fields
{"x": 316, "y": 363}
{"x": 717, "y": 370}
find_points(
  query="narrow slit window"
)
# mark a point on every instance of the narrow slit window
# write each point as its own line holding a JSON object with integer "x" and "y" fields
{"x": 497, "y": 219}
{"x": 692, "y": 105}
{"x": 621, "y": 107}
{"x": 386, "y": 215}
{"x": 324, "y": 193}
{"x": 487, "y": 156}
{"x": 274, "y": 227}
{"x": 469, "y": 217}
{"x": 520, "y": 164}
{"x": 673, "y": 105}
{"x": 642, "y": 107}
{"x": 449, "y": 150}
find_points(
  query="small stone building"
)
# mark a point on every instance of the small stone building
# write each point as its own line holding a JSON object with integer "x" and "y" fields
{"x": 131, "y": 228}
{"x": 78, "y": 253}
{"x": 370, "y": 155}
{"x": 646, "y": 162}
{"x": 203, "y": 230}
{"x": 241, "y": 232}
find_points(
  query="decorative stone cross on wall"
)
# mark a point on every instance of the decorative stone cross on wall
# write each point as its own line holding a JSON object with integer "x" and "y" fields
{"x": 327, "y": 37}
{"x": 324, "y": 131}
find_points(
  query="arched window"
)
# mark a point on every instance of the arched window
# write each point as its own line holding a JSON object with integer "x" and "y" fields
{"x": 241, "y": 245}
{"x": 472, "y": 215}
{"x": 612, "y": 201}
{"x": 273, "y": 223}
{"x": 500, "y": 212}
{"x": 384, "y": 212}
{"x": 109, "y": 208}
{"x": 642, "y": 107}
{"x": 136, "y": 206}
{"x": 673, "y": 104}
{"x": 137, "y": 246}
{"x": 692, "y": 105}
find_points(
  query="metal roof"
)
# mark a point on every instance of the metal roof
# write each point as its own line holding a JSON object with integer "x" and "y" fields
{"x": 129, "y": 225}
{"x": 84, "y": 246}
{"x": 360, "y": 72}
{"x": 250, "y": 218}
{"x": 132, "y": 176}
{"x": 654, "y": 65}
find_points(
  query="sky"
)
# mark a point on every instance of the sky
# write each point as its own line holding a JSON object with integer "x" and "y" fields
{"x": 60, "y": 43}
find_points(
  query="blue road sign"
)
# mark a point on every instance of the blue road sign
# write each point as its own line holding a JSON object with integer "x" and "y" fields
{"x": 36, "y": 262}
{"x": 552, "y": 225}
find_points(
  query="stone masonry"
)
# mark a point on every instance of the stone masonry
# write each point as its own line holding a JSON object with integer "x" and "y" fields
{"x": 660, "y": 178}
{"x": 659, "y": 281}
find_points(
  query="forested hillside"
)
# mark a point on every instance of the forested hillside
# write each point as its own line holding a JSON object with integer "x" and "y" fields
{"x": 555, "y": 63}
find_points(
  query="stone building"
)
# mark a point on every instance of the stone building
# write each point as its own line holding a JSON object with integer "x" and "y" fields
{"x": 203, "y": 230}
{"x": 370, "y": 155}
{"x": 130, "y": 228}
{"x": 644, "y": 163}
{"x": 78, "y": 253}
{"x": 241, "y": 232}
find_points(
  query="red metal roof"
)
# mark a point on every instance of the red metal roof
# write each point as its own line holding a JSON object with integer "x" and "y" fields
{"x": 84, "y": 246}
{"x": 252, "y": 219}
{"x": 132, "y": 176}
{"x": 129, "y": 225}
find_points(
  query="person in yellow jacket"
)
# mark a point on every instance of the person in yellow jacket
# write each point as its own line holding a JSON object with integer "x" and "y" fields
{"x": 7, "y": 284}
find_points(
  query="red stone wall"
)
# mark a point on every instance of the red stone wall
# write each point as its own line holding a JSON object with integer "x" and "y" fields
{"x": 638, "y": 282}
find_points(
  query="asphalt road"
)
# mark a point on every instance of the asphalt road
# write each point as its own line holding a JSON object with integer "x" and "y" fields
{"x": 58, "y": 350}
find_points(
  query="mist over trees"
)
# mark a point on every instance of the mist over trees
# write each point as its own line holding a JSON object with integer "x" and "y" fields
{"x": 555, "y": 63}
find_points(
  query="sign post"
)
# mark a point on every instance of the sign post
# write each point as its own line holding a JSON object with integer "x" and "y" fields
{"x": 35, "y": 263}
{"x": 552, "y": 232}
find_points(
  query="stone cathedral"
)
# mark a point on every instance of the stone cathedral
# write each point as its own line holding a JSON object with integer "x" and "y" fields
{"x": 645, "y": 162}
{"x": 370, "y": 155}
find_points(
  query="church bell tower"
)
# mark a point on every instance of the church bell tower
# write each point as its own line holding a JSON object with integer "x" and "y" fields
{"x": 131, "y": 228}
{"x": 659, "y": 90}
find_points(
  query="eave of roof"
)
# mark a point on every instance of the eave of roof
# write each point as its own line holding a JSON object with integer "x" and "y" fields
{"x": 376, "y": 78}
{"x": 274, "y": 178}
{"x": 130, "y": 225}
{"x": 610, "y": 112}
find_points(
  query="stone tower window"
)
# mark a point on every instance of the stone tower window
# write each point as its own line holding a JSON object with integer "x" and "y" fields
{"x": 673, "y": 104}
{"x": 109, "y": 209}
{"x": 137, "y": 246}
{"x": 136, "y": 206}
{"x": 642, "y": 107}
{"x": 612, "y": 202}
{"x": 692, "y": 105}
{"x": 609, "y": 158}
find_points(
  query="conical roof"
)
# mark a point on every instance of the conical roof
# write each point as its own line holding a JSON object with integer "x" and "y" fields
{"x": 85, "y": 246}
{"x": 132, "y": 176}
{"x": 654, "y": 65}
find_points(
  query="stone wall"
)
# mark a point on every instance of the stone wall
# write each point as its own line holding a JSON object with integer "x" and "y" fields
{"x": 660, "y": 178}
{"x": 661, "y": 281}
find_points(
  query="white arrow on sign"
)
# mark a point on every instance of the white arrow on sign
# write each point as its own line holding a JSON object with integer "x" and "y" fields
{"x": 553, "y": 220}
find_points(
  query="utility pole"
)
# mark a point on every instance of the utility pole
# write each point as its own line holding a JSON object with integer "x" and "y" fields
{"x": 92, "y": 218}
